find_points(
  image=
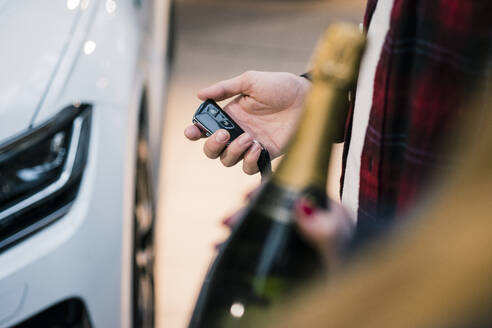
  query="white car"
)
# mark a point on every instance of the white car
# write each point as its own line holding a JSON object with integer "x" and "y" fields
{"x": 82, "y": 85}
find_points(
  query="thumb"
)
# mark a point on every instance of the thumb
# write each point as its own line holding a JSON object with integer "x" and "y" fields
{"x": 226, "y": 88}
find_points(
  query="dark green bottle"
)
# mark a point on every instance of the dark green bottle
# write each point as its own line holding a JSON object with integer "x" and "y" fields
{"x": 265, "y": 258}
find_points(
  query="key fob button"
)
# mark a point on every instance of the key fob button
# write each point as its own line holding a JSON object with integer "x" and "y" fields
{"x": 212, "y": 110}
{"x": 227, "y": 124}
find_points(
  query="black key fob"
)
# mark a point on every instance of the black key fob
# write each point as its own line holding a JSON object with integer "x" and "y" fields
{"x": 209, "y": 118}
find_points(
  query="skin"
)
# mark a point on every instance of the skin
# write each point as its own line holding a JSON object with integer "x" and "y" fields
{"x": 328, "y": 231}
{"x": 267, "y": 105}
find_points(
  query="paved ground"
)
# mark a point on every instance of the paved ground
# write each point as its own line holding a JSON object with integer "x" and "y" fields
{"x": 218, "y": 39}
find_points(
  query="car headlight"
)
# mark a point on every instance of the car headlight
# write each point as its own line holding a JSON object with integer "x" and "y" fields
{"x": 40, "y": 173}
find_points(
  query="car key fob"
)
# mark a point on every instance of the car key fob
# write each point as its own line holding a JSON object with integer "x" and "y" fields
{"x": 209, "y": 117}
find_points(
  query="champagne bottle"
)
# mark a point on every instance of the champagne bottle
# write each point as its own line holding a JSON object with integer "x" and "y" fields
{"x": 265, "y": 258}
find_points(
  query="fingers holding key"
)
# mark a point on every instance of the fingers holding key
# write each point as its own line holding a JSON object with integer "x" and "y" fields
{"x": 234, "y": 152}
{"x": 244, "y": 147}
{"x": 250, "y": 161}
{"x": 215, "y": 145}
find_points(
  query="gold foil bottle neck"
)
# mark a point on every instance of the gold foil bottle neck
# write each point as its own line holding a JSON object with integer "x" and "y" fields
{"x": 338, "y": 54}
{"x": 335, "y": 67}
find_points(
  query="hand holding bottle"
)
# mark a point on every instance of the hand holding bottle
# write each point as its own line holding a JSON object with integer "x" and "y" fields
{"x": 329, "y": 231}
{"x": 267, "y": 106}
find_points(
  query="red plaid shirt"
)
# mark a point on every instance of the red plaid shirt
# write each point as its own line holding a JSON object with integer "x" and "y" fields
{"x": 434, "y": 57}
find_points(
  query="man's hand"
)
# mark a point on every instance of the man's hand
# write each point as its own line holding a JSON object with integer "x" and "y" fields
{"x": 267, "y": 106}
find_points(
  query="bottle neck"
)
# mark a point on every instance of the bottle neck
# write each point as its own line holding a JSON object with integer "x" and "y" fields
{"x": 305, "y": 164}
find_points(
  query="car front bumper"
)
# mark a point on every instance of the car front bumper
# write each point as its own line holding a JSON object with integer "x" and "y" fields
{"x": 86, "y": 254}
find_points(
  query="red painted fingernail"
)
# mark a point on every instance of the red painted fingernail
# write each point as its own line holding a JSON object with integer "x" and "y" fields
{"x": 308, "y": 211}
{"x": 306, "y": 208}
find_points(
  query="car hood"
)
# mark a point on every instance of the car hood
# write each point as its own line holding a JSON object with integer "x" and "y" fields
{"x": 33, "y": 35}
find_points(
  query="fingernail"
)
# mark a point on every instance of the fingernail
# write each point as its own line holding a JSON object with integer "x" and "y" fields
{"x": 306, "y": 208}
{"x": 245, "y": 139}
{"x": 221, "y": 136}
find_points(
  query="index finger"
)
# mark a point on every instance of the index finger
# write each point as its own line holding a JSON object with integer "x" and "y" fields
{"x": 226, "y": 89}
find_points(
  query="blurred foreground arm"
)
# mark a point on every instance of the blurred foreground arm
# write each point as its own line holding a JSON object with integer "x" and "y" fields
{"x": 436, "y": 273}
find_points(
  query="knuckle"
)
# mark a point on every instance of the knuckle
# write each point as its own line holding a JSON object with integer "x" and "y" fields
{"x": 235, "y": 149}
{"x": 247, "y": 171}
{"x": 231, "y": 155}
{"x": 222, "y": 86}
{"x": 247, "y": 78}
{"x": 252, "y": 157}
{"x": 252, "y": 172}
{"x": 210, "y": 152}
{"x": 248, "y": 168}
{"x": 226, "y": 161}
{"x": 247, "y": 75}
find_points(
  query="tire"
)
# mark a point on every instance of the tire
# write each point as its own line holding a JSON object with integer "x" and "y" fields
{"x": 143, "y": 233}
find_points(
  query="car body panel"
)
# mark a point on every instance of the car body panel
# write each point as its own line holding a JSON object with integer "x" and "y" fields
{"x": 88, "y": 252}
{"x": 81, "y": 254}
{"x": 130, "y": 51}
{"x": 103, "y": 74}
{"x": 34, "y": 36}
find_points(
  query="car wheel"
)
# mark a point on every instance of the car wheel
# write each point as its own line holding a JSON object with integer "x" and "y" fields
{"x": 171, "y": 35}
{"x": 143, "y": 249}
